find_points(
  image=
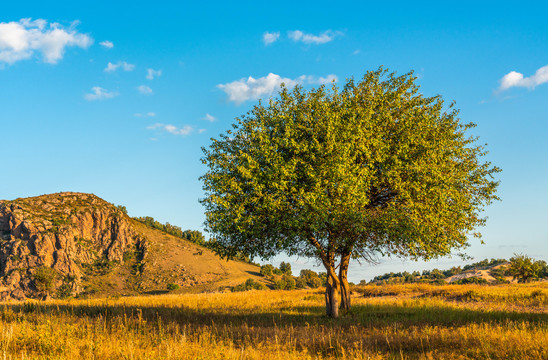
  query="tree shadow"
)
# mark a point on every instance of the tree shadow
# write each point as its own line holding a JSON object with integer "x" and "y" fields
{"x": 156, "y": 292}
{"x": 254, "y": 273}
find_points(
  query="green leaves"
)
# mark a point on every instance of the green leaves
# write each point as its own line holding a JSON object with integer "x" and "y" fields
{"x": 373, "y": 168}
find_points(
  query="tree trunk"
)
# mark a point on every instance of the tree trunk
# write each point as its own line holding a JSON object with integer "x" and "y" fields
{"x": 333, "y": 286}
{"x": 343, "y": 279}
{"x": 332, "y": 294}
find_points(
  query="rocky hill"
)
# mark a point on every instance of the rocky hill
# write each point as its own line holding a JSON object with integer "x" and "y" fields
{"x": 75, "y": 244}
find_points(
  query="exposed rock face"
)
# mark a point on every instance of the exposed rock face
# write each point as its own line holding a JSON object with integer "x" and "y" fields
{"x": 65, "y": 232}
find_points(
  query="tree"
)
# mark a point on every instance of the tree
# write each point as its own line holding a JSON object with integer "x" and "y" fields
{"x": 44, "y": 279}
{"x": 311, "y": 278}
{"x": 524, "y": 268}
{"x": 285, "y": 268}
{"x": 266, "y": 270}
{"x": 374, "y": 168}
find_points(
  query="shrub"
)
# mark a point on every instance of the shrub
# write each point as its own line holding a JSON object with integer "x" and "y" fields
{"x": 285, "y": 268}
{"x": 436, "y": 274}
{"x": 249, "y": 284}
{"x": 44, "y": 279}
{"x": 310, "y": 278}
{"x": 287, "y": 282}
{"x": 172, "y": 286}
{"x": 300, "y": 283}
{"x": 471, "y": 280}
{"x": 497, "y": 273}
{"x": 122, "y": 208}
{"x": 266, "y": 270}
{"x": 65, "y": 290}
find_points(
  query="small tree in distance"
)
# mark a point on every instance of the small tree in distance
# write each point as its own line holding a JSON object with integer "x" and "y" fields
{"x": 266, "y": 270}
{"x": 524, "y": 268}
{"x": 285, "y": 268}
{"x": 371, "y": 169}
{"x": 44, "y": 279}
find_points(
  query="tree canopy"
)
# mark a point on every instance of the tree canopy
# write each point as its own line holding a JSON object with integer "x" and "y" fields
{"x": 374, "y": 168}
{"x": 525, "y": 269}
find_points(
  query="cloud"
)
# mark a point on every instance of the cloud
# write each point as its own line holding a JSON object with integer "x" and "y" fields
{"x": 21, "y": 40}
{"x": 120, "y": 64}
{"x": 251, "y": 88}
{"x": 200, "y": 131}
{"x": 107, "y": 44}
{"x": 209, "y": 118}
{"x": 185, "y": 130}
{"x": 98, "y": 93}
{"x": 148, "y": 114}
{"x": 151, "y": 74}
{"x": 270, "y": 37}
{"x": 145, "y": 90}
{"x": 322, "y": 38}
{"x": 516, "y": 79}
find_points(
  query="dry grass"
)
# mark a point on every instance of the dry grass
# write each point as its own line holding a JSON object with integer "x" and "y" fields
{"x": 399, "y": 322}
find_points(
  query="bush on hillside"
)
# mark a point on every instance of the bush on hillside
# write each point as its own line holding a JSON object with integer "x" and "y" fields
{"x": 172, "y": 287}
{"x": 310, "y": 278}
{"x": 471, "y": 280}
{"x": 287, "y": 282}
{"x": 267, "y": 270}
{"x": 44, "y": 279}
{"x": 249, "y": 284}
{"x": 285, "y": 268}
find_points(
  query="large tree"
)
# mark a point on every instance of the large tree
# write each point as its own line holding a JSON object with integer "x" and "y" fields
{"x": 374, "y": 168}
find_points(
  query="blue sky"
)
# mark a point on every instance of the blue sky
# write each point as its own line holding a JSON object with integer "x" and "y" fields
{"x": 117, "y": 98}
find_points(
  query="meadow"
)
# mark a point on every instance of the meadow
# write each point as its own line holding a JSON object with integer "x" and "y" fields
{"x": 412, "y": 321}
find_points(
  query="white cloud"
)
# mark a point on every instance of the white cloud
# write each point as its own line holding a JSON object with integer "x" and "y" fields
{"x": 98, "y": 93}
{"x": 209, "y": 117}
{"x": 185, "y": 130}
{"x": 120, "y": 64}
{"x": 21, "y": 40}
{"x": 107, "y": 44}
{"x": 516, "y": 79}
{"x": 145, "y": 90}
{"x": 322, "y": 38}
{"x": 151, "y": 74}
{"x": 322, "y": 80}
{"x": 148, "y": 114}
{"x": 251, "y": 88}
{"x": 270, "y": 37}
{"x": 200, "y": 131}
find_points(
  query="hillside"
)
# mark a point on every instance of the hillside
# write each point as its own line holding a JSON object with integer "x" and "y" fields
{"x": 75, "y": 244}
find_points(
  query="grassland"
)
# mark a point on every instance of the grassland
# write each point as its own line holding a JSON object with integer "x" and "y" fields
{"x": 396, "y": 322}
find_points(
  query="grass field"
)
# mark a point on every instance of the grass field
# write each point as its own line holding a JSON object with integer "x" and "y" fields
{"x": 396, "y": 322}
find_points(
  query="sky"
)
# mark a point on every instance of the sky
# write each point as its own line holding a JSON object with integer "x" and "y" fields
{"x": 118, "y": 98}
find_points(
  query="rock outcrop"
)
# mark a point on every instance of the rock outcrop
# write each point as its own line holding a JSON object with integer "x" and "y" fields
{"x": 66, "y": 232}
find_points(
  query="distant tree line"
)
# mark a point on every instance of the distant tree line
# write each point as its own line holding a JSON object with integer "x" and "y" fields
{"x": 521, "y": 267}
{"x": 282, "y": 279}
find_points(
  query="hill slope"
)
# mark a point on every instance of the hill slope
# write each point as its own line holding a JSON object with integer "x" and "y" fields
{"x": 95, "y": 249}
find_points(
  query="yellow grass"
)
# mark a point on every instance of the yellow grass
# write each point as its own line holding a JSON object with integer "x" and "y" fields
{"x": 396, "y": 322}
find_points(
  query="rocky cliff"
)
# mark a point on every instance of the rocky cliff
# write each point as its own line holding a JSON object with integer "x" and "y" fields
{"x": 75, "y": 244}
{"x": 66, "y": 232}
